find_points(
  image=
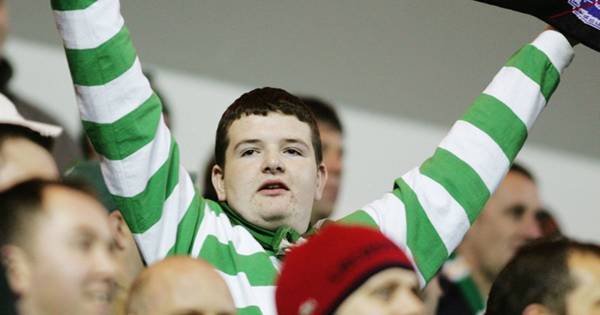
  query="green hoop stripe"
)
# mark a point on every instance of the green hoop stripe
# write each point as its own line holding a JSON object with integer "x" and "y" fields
{"x": 498, "y": 121}
{"x": 257, "y": 267}
{"x": 69, "y": 5}
{"x": 359, "y": 217}
{"x": 214, "y": 206}
{"x": 188, "y": 228}
{"x": 428, "y": 249}
{"x": 537, "y": 67}
{"x": 459, "y": 180}
{"x": 98, "y": 66}
{"x": 151, "y": 200}
{"x": 120, "y": 139}
{"x": 249, "y": 310}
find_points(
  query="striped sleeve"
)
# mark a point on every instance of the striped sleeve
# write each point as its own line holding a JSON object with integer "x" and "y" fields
{"x": 123, "y": 118}
{"x": 432, "y": 207}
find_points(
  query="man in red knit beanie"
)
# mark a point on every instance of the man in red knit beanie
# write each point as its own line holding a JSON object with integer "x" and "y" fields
{"x": 348, "y": 270}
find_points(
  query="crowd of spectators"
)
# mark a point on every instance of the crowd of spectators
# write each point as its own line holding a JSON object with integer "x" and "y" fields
{"x": 126, "y": 230}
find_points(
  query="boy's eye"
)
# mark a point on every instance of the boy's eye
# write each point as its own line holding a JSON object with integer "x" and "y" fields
{"x": 293, "y": 151}
{"x": 248, "y": 152}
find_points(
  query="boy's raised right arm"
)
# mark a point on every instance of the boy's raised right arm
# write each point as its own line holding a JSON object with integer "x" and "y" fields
{"x": 123, "y": 118}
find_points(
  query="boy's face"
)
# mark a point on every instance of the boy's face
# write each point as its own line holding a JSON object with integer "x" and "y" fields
{"x": 389, "y": 292}
{"x": 271, "y": 177}
{"x": 69, "y": 258}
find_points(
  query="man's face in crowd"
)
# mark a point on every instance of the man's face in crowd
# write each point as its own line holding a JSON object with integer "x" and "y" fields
{"x": 392, "y": 291}
{"x": 585, "y": 297}
{"x": 22, "y": 159}
{"x": 333, "y": 150}
{"x": 506, "y": 222}
{"x": 67, "y": 266}
{"x": 271, "y": 176}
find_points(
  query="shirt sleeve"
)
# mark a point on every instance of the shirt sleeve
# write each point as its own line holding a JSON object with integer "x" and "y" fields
{"x": 432, "y": 207}
{"x": 123, "y": 118}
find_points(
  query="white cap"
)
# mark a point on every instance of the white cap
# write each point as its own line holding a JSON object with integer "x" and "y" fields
{"x": 10, "y": 116}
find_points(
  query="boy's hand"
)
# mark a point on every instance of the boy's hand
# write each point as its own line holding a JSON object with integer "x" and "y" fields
{"x": 571, "y": 40}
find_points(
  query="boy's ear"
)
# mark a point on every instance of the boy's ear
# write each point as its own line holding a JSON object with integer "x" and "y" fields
{"x": 321, "y": 180}
{"x": 218, "y": 182}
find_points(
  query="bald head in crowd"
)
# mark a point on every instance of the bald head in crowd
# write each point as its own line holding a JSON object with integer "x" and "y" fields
{"x": 180, "y": 285}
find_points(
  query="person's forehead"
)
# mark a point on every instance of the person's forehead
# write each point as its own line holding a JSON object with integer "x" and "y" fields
{"x": 22, "y": 159}
{"x": 515, "y": 179}
{"x": 20, "y": 147}
{"x": 400, "y": 276}
{"x": 194, "y": 289}
{"x": 201, "y": 301}
{"x": 517, "y": 188}
{"x": 585, "y": 268}
{"x": 73, "y": 212}
{"x": 272, "y": 127}
{"x": 183, "y": 273}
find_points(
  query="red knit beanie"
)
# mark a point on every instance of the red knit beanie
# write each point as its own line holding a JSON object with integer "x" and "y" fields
{"x": 320, "y": 274}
